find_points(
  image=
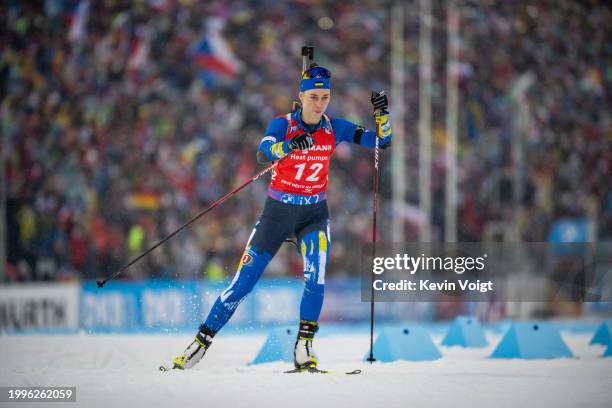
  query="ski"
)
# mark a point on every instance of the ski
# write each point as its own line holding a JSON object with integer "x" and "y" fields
{"x": 312, "y": 370}
{"x": 315, "y": 370}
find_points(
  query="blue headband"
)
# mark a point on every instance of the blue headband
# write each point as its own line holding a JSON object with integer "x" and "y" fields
{"x": 314, "y": 83}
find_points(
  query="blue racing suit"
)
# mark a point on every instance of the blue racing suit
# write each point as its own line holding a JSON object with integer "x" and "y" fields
{"x": 288, "y": 213}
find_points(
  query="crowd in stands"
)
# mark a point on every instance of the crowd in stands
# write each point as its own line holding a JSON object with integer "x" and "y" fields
{"x": 114, "y": 136}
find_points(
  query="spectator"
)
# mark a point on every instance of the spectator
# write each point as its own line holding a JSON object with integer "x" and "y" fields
{"x": 110, "y": 150}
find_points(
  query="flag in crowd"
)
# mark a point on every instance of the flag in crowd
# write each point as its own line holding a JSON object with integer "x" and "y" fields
{"x": 77, "y": 21}
{"x": 213, "y": 54}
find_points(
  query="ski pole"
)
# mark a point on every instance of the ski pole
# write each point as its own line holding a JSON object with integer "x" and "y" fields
{"x": 101, "y": 283}
{"x": 371, "y": 358}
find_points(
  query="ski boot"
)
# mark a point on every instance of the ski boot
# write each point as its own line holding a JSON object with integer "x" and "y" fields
{"x": 196, "y": 350}
{"x": 303, "y": 354}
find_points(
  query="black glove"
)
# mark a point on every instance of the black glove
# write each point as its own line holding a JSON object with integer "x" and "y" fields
{"x": 302, "y": 142}
{"x": 380, "y": 102}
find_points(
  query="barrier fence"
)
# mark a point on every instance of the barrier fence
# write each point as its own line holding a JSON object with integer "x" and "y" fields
{"x": 167, "y": 306}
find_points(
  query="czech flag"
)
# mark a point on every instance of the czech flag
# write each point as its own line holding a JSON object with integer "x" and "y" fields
{"x": 212, "y": 53}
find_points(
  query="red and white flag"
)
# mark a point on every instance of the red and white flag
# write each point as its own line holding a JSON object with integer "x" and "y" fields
{"x": 139, "y": 53}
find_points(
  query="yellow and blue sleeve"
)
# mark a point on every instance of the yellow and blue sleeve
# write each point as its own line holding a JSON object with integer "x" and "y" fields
{"x": 273, "y": 145}
{"x": 385, "y": 126}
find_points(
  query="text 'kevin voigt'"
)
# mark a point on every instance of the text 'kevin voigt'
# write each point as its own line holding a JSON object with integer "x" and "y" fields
{"x": 413, "y": 264}
{"x": 430, "y": 286}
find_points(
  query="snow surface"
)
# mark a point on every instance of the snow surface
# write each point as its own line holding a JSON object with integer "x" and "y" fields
{"x": 121, "y": 371}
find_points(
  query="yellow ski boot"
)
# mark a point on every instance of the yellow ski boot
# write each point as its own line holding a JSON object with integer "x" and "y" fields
{"x": 303, "y": 355}
{"x": 194, "y": 353}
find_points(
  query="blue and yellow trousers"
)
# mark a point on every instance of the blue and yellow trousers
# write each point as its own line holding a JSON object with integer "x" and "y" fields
{"x": 310, "y": 223}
